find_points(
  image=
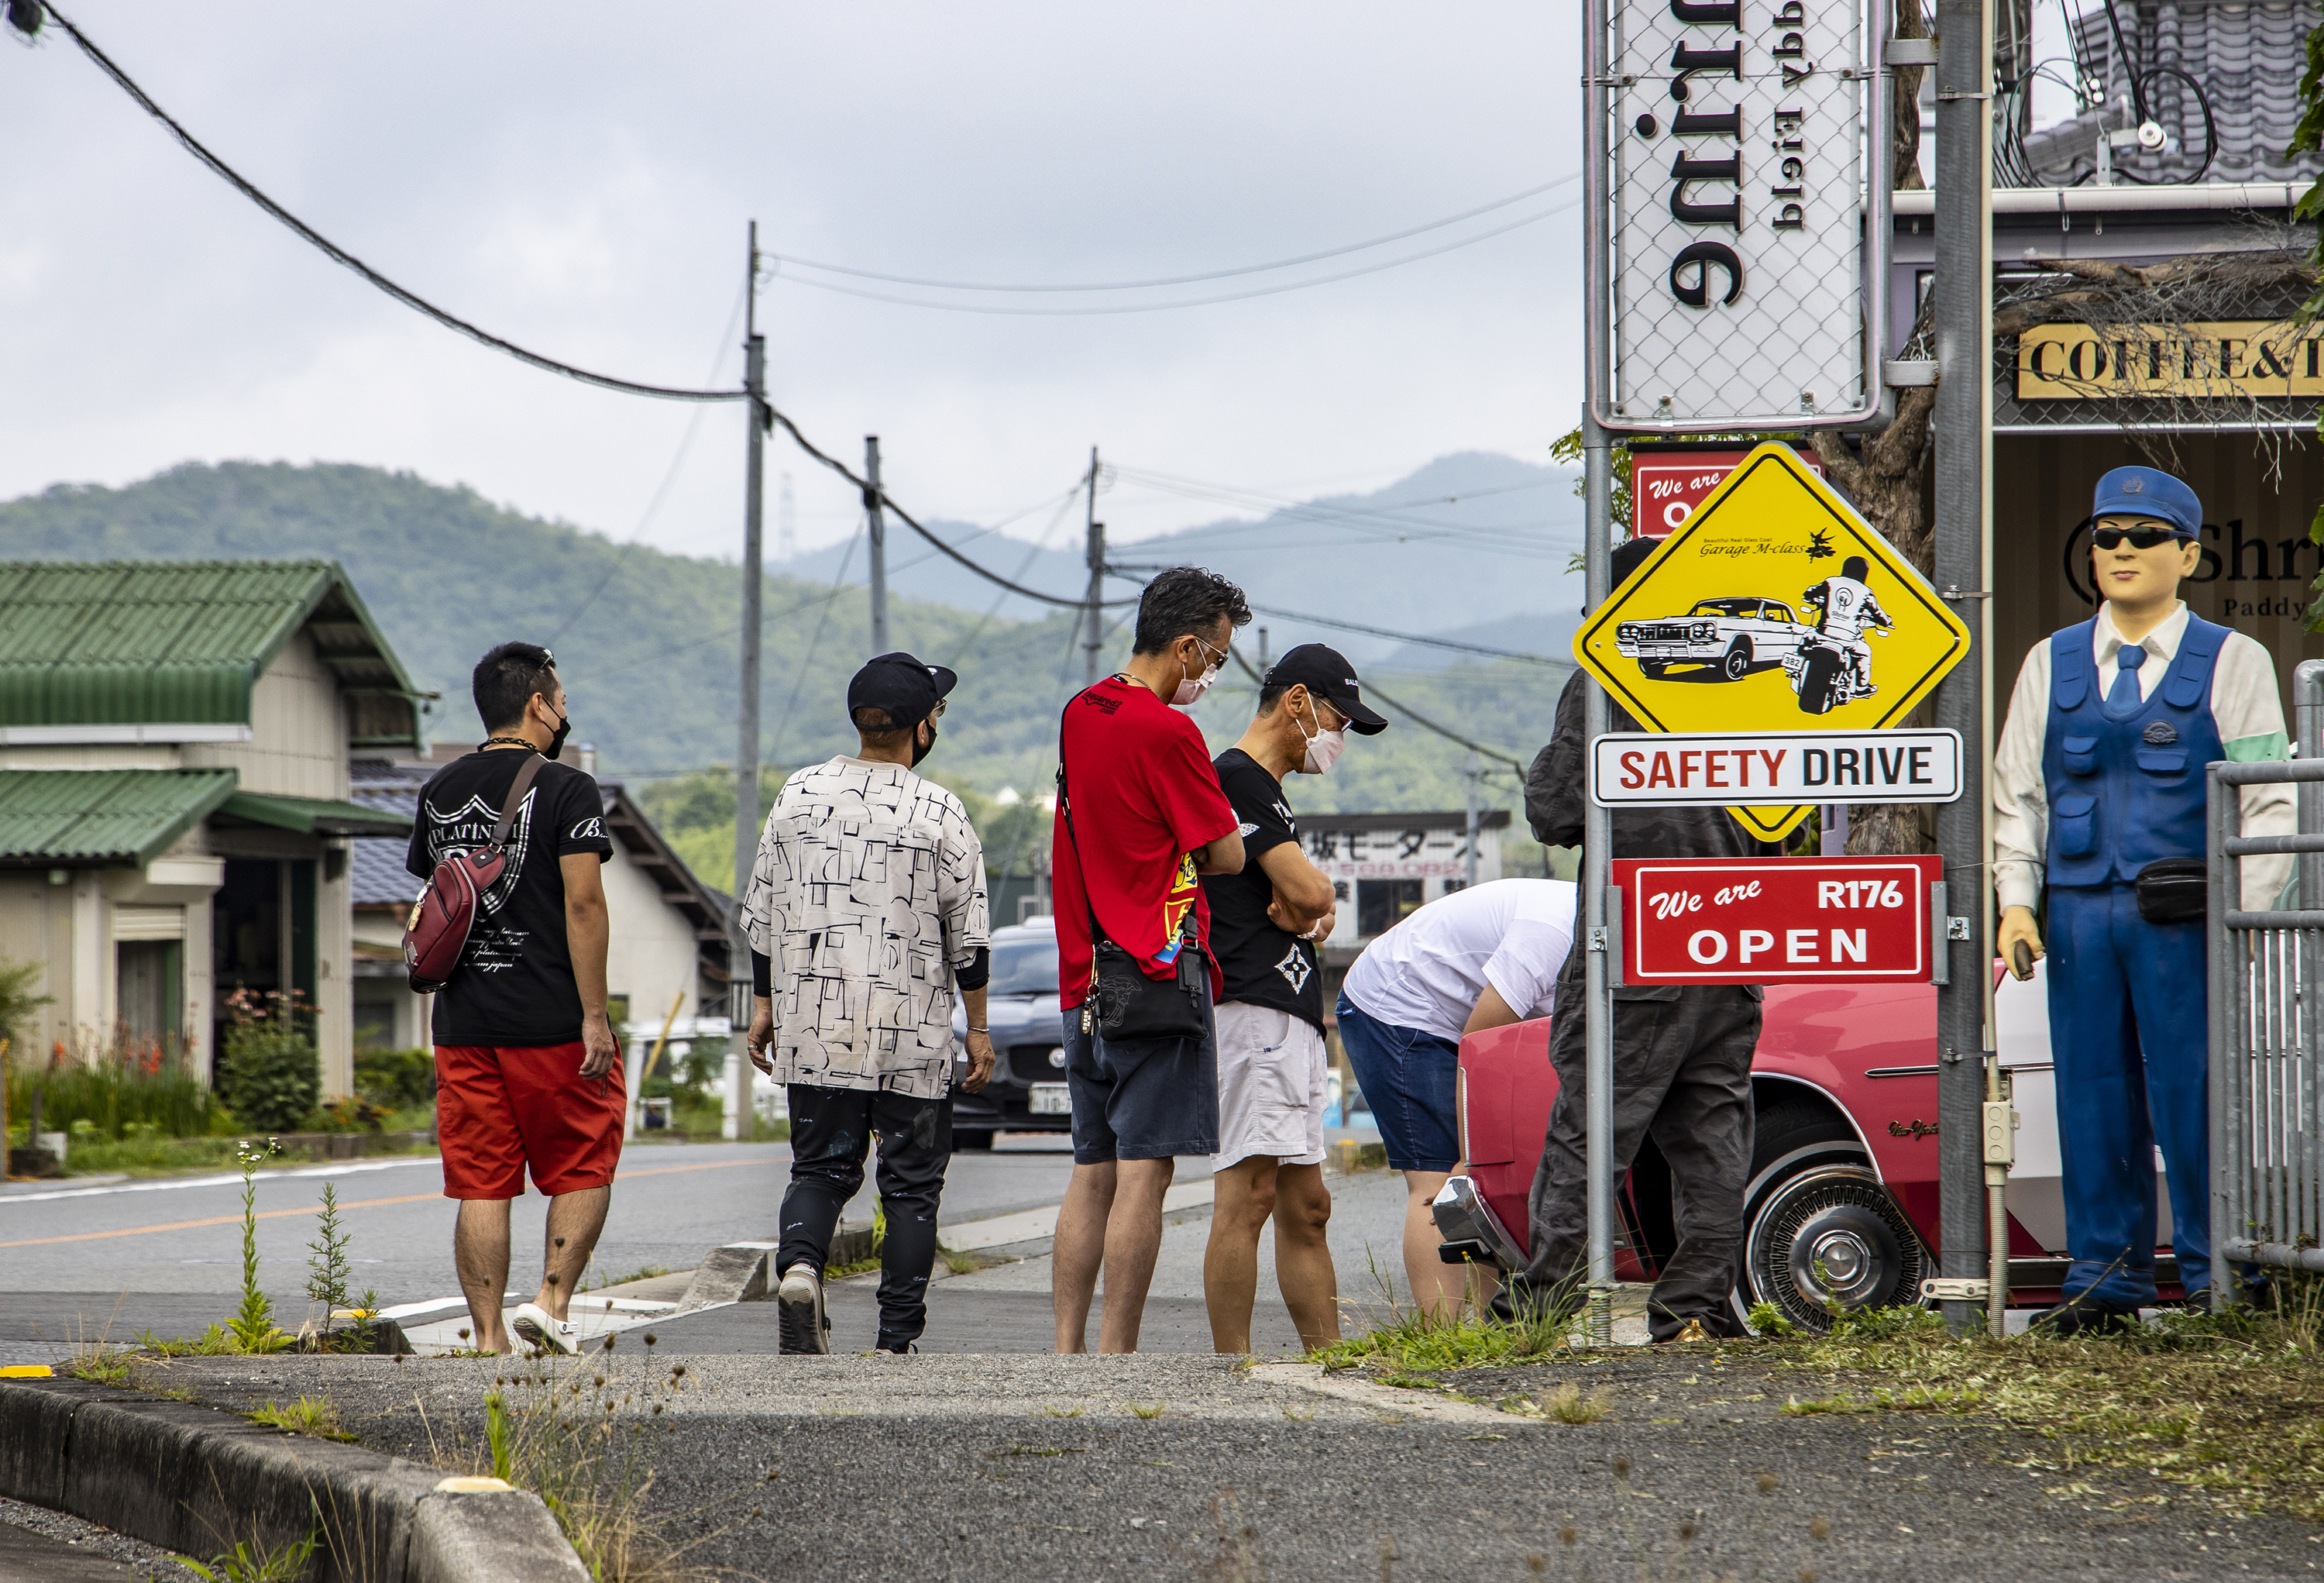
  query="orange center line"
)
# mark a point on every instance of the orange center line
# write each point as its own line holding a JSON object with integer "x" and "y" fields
{"x": 359, "y": 1204}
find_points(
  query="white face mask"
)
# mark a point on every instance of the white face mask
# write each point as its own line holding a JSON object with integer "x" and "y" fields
{"x": 1324, "y": 748}
{"x": 1192, "y": 688}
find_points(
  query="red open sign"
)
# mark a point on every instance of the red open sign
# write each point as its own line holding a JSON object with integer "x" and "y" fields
{"x": 1668, "y": 481}
{"x": 1776, "y": 920}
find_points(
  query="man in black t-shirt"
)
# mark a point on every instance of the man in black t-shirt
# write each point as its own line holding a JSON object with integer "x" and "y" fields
{"x": 528, "y": 1072}
{"x": 1265, "y": 922}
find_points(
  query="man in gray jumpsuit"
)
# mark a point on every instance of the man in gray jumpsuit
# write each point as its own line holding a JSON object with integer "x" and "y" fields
{"x": 1681, "y": 1059}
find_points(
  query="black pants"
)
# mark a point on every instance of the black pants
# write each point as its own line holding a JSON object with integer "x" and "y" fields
{"x": 832, "y": 1130}
{"x": 1682, "y": 1077}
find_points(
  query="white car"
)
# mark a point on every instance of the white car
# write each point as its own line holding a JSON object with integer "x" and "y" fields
{"x": 1732, "y": 636}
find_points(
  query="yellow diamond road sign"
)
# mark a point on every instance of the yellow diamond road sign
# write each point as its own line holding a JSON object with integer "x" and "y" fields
{"x": 1773, "y": 607}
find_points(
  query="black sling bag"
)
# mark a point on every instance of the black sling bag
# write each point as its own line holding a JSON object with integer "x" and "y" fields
{"x": 1123, "y": 1002}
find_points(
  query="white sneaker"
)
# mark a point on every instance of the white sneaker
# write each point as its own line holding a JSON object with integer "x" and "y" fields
{"x": 799, "y": 1316}
{"x": 536, "y": 1327}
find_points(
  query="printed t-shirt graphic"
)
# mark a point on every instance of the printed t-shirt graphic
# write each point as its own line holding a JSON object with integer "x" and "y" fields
{"x": 1263, "y": 966}
{"x": 514, "y": 985}
{"x": 1144, "y": 796}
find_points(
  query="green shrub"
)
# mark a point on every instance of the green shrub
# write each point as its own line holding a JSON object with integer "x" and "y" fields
{"x": 18, "y": 1003}
{"x": 269, "y": 1071}
{"x": 397, "y": 1080}
{"x": 105, "y": 1093}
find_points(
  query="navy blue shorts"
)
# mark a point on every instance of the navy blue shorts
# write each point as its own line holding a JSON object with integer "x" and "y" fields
{"x": 1412, "y": 1079}
{"x": 1142, "y": 1098}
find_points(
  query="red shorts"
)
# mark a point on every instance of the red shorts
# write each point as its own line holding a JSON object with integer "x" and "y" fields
{"x": 501, "y": 1109}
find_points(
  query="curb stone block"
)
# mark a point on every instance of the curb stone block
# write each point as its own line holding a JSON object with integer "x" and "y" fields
{"x": 737, "y": 1272}
{"x": 32, "y": 1443}
{"x": 489, "y": 1539}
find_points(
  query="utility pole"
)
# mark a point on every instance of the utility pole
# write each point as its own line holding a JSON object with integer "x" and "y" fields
{"x": 1964, "y": 561}
{"x": 746, "y": 735}
{"x": 1265, "y": 663}
{"x": 1469, "y": 775}
{"x": 1094, "y": 602}
{"x": 879, "y": 536}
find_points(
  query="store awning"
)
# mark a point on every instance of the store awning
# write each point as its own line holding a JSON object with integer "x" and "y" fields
{"x": 313, "y": 816}
{"x": 102, "y": 818}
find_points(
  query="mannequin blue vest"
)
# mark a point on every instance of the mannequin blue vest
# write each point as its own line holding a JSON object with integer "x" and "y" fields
{"x": 2125, "y": 792}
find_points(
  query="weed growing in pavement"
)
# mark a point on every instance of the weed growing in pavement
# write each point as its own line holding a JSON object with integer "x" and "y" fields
{"x": 327, "y": 1269}
{"x": 959, "y": 1263}
{"x": 1567, "y": 1405}
{"x": 1072, "y": 1412}
{"x": 1411, "y": 1341}
{"x": 1767, "y": 1319}
{"x": 254, "y": 1561}
{"x": 643, "y": 1272}
{"x": 2224, "y": 1405}
{"x": 252, "y": 1326}
{"x": 310, "y": 1415}
{"x": 1141, "y": 1410}
{"x": 581, "y": 1434}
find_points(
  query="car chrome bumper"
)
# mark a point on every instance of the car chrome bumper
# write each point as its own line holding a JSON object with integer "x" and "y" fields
{"x": 1473, "y": 1233}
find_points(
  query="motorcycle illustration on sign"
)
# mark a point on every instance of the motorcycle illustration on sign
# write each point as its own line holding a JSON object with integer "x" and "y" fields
{"x": 1726, "y": 627}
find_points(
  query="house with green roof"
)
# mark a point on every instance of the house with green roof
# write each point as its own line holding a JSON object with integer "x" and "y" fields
{"x": 175, "y": 821}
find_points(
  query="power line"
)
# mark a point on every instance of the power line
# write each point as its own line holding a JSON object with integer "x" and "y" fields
{"x": 1433, "y": 643}
{"x": 340, "y": 256}
{"x": 1348, "y": 274}
{"x": 1417, "y": 718}
{"x": 1217, "y": 274}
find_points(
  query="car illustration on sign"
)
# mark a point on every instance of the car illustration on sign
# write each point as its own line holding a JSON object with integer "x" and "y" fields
{"x": 1734, "y": 635}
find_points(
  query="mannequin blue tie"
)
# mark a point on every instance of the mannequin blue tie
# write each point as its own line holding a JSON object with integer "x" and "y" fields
{"x": 2122, "y": 700}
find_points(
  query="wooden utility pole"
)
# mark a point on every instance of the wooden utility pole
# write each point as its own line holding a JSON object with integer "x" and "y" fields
{"x": 746, "y": 735}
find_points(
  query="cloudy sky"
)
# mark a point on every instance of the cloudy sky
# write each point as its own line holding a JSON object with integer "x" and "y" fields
{"x": 577, "y": 177}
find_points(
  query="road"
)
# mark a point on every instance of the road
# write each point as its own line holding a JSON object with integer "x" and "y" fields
{"x": 85, "y": 1262}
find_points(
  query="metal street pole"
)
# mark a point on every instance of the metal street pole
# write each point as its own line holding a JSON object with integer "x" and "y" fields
{"x": 1469, "y": 775}
{"x": 746, "y": 735}
{"x": 1095, "y": 600}
{"x": 1963, "y": 422}
{"x": 1598, "y": 544}
{"x": 878, "y": 532}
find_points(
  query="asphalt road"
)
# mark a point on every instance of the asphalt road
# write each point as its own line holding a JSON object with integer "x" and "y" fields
{"x": 84, "y": 1262}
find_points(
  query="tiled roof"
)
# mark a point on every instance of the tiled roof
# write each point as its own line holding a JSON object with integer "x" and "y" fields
{"x": 2248, "y": 58}
{"x": 183, "y": 643}
{"x": 70, "y": 819}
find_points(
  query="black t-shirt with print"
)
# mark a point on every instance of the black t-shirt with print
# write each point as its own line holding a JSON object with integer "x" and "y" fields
{"x": 1263, "y": 964}
{"x": 514, "y": 985}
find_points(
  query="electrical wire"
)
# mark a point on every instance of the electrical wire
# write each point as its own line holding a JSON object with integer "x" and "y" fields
{"x": 340, "y": 256}
{"x": 1349, "y": 274}
{"x": 1216, "y": 275}
{"x": 1372, "y": 690}
{"x": 1433, "y": 643}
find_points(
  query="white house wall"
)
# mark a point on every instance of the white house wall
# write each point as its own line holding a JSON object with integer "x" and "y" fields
{"x": 652, "y": 955}
{"x": 299, "y": 731}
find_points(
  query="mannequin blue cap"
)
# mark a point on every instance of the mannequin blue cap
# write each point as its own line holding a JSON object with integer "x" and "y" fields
{"x": 2145, "y": 492}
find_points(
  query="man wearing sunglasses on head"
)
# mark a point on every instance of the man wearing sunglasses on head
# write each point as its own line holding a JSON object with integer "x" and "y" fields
{"x": 2099, "y": 798}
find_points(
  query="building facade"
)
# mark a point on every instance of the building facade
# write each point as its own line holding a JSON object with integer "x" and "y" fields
{"x": 175, "y": 821}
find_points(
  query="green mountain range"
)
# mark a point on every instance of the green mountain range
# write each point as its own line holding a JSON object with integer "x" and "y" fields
{"x": 647, "y": 640}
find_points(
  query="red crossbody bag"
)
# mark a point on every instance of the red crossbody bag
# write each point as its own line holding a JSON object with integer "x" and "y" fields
{"x": 436, "y": 936}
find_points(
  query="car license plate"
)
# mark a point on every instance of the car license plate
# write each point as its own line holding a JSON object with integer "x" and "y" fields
{"x": 1051, "y": 1099}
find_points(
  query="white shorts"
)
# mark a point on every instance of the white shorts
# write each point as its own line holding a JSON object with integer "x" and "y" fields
{"x": 1272, "y": 1086}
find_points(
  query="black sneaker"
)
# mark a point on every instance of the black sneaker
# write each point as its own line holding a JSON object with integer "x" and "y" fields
{"x": 800, "y": 1322}
{"x": 2077, "y": 1316}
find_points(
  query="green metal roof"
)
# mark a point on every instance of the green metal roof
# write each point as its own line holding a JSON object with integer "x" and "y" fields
{"x": 122, "y": 642}
{"x": 313, "y": 816}
{"x": 83, "y": 819}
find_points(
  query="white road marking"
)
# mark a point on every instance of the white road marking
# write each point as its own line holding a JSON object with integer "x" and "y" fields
{"x": 344, "y": 1168}
{"x": 1032, "y": 1224}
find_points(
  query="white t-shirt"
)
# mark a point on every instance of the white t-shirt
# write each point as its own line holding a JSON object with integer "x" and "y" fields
{"x": 1429, "y": 971}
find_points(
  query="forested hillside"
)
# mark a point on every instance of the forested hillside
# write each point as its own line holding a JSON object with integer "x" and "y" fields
{"x": 647, "y": 640}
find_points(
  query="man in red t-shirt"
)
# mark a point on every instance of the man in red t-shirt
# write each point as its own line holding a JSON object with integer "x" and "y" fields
{"x": 1141, "y": 818}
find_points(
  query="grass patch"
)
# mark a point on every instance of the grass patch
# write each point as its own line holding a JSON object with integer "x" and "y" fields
{"x": 310, "y": 1415}
{"x": 643, "y": 1272}
{"x": 2229, "y": 1405}
{"x": 1148, "y": 1411}
{"x": 961, "y": 1263}
{"x": 1411, "y": 1342}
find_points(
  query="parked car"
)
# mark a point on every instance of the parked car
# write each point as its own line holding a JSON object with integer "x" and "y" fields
{"x": 1028, "y": 1090}
{"x": 1842, "y": 1202}
{"x": 1734, "y": 635}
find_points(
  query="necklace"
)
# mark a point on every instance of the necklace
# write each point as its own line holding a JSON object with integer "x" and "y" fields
{"x": 504, "y": 742}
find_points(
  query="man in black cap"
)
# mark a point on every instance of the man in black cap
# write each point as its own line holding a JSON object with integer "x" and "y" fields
{"x": 1265, "y": 922}
{"x": 1682, "y": 1058}
{"x": 865, "y": 907}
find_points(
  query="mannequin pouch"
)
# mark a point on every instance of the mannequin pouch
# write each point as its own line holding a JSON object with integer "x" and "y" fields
{"x": 2173, "y": 890}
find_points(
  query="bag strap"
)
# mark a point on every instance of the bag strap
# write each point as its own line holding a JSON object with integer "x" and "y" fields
{"x": 517, "y": 788}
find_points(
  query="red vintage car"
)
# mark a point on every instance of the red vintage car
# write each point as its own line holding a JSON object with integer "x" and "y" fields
{"x": 1842, "y": 1202}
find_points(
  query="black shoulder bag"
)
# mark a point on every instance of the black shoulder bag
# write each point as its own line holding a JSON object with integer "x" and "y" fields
{"x": 1123, "y": 1003}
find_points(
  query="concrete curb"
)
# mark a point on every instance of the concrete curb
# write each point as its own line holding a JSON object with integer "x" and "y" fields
{"x": 198, "y": 1480}
{"x": 744, "y": 1271}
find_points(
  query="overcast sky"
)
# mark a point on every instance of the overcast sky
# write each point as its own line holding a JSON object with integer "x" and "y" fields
{"x": 578, "y": 178}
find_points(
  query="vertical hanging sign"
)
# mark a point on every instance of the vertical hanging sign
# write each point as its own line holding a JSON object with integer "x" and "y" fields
{"x": 1749, "y": 230}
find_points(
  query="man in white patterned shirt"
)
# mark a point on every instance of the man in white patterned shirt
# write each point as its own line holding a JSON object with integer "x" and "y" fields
{"x": 866, "y": 906}
{"x": 2099, "y": 795}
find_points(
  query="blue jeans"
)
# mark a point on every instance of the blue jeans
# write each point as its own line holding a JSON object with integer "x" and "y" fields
{"x": 1412, "y": 1078}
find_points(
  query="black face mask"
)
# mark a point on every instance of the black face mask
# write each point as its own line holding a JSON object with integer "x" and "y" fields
{"x": 919, "y": 753}
{"x": 557, "y": 738}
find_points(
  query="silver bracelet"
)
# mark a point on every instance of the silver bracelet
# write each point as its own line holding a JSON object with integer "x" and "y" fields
{"x": 974, "y": 1028}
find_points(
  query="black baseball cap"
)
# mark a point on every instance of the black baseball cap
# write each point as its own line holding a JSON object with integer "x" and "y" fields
{"x": 1330, "y": 677}
{"x": 901, "y": 686}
